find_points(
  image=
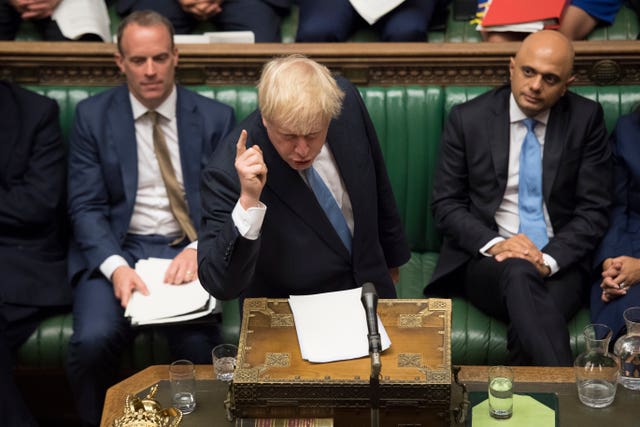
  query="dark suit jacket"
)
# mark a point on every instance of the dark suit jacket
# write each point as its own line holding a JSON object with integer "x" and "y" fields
{"x": 472, "y": 175}
{"x": 103, "y": 167}
{"x": 623, "y": 235}
{"x": 298, "y": 251}
{"x": 33, "y": 231}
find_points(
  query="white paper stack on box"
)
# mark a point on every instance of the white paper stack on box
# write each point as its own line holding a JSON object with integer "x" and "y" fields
{"x": 333, "y": 326}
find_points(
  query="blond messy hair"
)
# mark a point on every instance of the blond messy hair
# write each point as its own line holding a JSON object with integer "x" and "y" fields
{"x": 298, "y": 94}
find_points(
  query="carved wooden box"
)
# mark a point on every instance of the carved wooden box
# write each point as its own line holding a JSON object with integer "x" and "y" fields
{"x": 273, "y": 381}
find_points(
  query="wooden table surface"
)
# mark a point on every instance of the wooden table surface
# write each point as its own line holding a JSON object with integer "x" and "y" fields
{"x": 625, "y": 411}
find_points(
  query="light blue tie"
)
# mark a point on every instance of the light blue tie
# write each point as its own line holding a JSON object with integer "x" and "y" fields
{"x": 329, "y": 205}
{"x": 530, "y": 188}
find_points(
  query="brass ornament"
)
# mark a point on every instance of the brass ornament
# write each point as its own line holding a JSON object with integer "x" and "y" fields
{"x": 147, "y": 412}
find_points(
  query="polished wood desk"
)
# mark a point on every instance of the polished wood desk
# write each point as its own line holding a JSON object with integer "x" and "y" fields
{"x": 624, "y": 412}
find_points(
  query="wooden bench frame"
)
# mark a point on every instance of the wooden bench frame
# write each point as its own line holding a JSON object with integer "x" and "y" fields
{"x": 383, "y": 64}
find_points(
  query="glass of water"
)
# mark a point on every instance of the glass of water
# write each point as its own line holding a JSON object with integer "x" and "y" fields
{"x": 500, "y": 392}
{"x": 182, "y": 379}
{"x": 224, "y": 361}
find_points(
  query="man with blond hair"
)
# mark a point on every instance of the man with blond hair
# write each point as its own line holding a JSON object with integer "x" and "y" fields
{"x": 297, "y": 199}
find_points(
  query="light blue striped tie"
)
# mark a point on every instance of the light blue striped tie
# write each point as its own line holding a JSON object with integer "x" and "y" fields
{"x": 329, "y": 205}
{"x": 530, "y": 188}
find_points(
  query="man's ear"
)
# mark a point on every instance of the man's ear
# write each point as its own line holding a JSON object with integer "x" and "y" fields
{"x": 512, "y": 66}
{"x": 119, "y": 61}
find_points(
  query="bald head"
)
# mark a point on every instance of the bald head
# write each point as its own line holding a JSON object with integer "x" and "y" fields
{"x": 541, "y": 71}
{"x": 550, "y": 45}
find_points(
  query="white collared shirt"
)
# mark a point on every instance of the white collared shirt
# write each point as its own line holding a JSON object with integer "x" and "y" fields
{"x": 151, "y": 211}
{"x": 507, "y": 216}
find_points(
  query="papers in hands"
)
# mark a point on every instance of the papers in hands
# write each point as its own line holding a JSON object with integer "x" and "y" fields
{"x": 332, "y": 326}
{"x": 166, "y": 303}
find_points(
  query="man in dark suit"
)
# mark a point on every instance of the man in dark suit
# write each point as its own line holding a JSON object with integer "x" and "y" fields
{"x": 126, "y": 203}
{"x": 521, "y": 252}
{"x": 33, "y": 231}
{"x": 262, "y": 17}
{"x": 268, "y": 236}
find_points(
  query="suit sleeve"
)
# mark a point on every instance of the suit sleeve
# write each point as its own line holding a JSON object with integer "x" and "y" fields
{"x": 33, "y": 199}
{"x": 452, "y": 208}
{"x": 390, "y": 230}
{"x": 616, "y": 241}
{"x": 226, "y": 260}
{"x": 88, "y": 194}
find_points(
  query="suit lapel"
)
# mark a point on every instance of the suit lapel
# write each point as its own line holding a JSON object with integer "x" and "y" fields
{"x": 189, "y": 140}
{"x": 554, "y": 141}
{"x": 287, "y": 185}
{"x": 498, "y": 134}
{"x": 123, "y": 138}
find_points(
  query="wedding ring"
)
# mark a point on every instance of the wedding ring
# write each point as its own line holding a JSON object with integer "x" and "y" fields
{"x": 622, "y": 285}
{"x": 189, "y": 273}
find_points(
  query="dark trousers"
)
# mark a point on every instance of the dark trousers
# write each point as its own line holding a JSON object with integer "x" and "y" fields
{"x": 17, "y": 323}
{"x": 101, "y": 332}
{"x": 535, "y": 309}
{"x": 336, "y": 20}
{"x": 258, "y": 16}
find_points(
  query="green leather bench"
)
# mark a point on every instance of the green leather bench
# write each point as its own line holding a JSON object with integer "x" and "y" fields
{"x": 625, "y": 27}
{"x": 409, "y": 122}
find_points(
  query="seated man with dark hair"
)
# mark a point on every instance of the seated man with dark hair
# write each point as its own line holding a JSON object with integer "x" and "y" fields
{"x": 135, "y": 161}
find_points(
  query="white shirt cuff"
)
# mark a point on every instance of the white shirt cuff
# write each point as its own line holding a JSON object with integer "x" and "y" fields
{"x": 485, "y": 248}
{"x": 249, "y": 222}
{"x": 192, "y": 245}
{"x": 110, "y": 265}
{"x": 551, "y": 262}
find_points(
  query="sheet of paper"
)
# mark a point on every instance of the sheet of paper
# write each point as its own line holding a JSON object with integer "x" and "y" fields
{"x": 372, "y": 10}
{"x": 332, "y": 326}
{"x": 78, "y": 17}
{"x": 166, "y": 301}
{"x": 231, "y": 36}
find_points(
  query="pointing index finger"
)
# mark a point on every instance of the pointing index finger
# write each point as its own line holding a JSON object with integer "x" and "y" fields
{"x": 241, "y": 146}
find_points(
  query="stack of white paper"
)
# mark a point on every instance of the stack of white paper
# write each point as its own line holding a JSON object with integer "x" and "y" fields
{"x": 333, "y": 326}
{"x": 166, "y": 303}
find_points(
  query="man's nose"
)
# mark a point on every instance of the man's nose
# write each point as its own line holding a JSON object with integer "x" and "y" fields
{"x": 536, "y": 82}
{"x": 301, "y": 147}
{"x": 149, "y": 67}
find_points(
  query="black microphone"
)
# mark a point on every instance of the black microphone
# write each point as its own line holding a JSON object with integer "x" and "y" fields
{"x": 369, "y": 300}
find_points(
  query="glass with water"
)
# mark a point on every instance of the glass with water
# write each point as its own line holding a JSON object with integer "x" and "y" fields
{"x": 182, "y": 380}
{"x": 500, "y": 392}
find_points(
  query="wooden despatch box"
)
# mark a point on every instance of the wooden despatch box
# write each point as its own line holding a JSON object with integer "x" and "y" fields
{"x": 273, "y": 381}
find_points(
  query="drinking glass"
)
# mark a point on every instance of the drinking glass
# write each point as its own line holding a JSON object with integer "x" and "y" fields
{"x": 182, "y": 380}
{"x": 500, "y": 392}
{"x": 224, "y": 361}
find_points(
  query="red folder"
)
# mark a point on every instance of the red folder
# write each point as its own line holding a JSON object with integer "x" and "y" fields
{"x": 509, "y": 12}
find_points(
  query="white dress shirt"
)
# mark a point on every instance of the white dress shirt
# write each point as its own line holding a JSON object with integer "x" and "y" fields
{"x": 507, "y": 216}
{"x": 151, "y": 210}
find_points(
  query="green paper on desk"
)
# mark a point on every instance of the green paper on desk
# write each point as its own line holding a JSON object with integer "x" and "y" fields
{"x": 528, "y": 411}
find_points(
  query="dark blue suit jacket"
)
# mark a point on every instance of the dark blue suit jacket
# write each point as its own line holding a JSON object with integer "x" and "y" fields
{"x": 33, "y": 221}
{"x": 623, "y": 235}
{"x": 472, "y": 176}
{"x": 298, "y": 251}
{"x": 103, "y": 167}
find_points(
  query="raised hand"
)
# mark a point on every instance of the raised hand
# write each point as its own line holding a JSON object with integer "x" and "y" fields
{"x": 252, "y": 172}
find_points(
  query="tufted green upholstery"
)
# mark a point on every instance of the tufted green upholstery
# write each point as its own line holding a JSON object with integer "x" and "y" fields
{"x": 409, "y": 122}
{"x": 625, "y": 27}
